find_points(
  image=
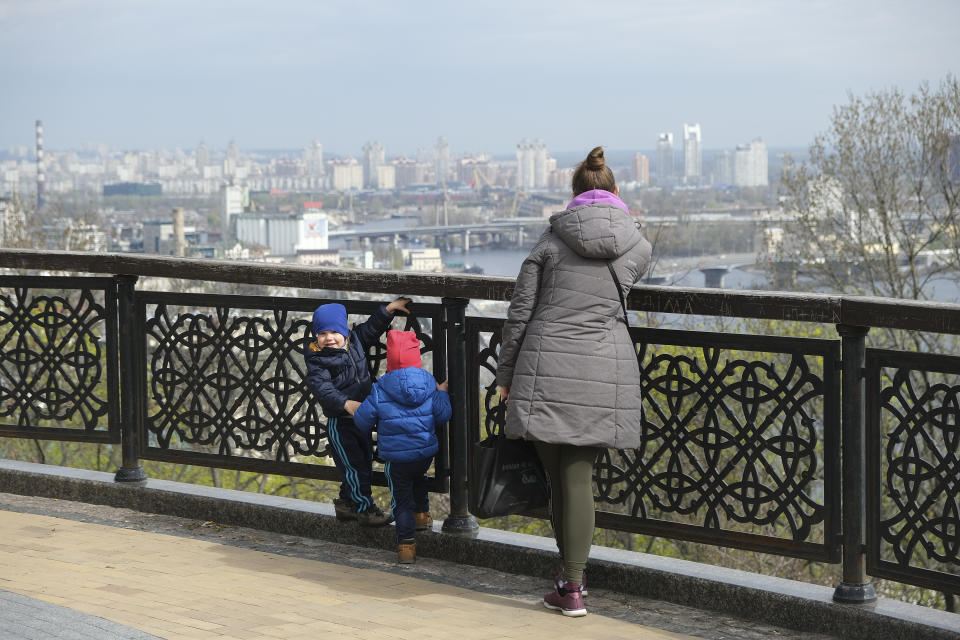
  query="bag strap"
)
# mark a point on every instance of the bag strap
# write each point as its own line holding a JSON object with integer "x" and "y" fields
{"x": 623, "y": 302}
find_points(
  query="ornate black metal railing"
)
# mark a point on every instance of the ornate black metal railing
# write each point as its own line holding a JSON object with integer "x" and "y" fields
{"x": 58, "y": 358}
{"x": 741, "y": 440}
{"x": 913, "y": 468}
{"x": 754, "y": 442}
{"x": 222, "y": 380}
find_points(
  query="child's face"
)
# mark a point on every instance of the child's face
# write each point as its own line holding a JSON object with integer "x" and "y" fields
{"x": 331, "y": 339}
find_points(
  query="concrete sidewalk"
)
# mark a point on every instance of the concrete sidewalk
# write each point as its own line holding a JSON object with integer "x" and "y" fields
{"x": 175, "y": 577}
{"x": 175, "y": 587}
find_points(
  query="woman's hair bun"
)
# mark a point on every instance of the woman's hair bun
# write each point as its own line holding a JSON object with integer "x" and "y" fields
{"x": 595, "y": 160}
{"x": 593, "y": 173}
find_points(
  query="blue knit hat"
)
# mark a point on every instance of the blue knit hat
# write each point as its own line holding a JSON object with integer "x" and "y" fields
{"x": 331, "y": 317}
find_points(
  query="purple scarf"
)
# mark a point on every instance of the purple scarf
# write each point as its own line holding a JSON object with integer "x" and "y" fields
{"x": 597, "y": 196}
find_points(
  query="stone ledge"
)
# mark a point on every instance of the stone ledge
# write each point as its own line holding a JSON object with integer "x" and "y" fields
{"x": 774, "y": 601}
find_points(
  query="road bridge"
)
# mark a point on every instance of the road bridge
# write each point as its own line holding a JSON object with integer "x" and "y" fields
{"x": 519, "y": 230}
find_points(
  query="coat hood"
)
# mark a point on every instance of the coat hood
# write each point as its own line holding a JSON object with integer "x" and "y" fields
{"x": 403, "y": 350}
{"x": 597, "y": 226}
{"x": 598, "y": 196}
{"x": 410, "y": 386}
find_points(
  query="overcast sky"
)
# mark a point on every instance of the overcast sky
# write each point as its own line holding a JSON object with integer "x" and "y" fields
{"x": 170, "y": 73}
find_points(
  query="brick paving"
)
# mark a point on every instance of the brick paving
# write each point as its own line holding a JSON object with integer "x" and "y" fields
{"x": 71, "y": 568}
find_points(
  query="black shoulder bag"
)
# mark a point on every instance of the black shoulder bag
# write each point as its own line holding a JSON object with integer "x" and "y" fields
{"x": 507, "y": 478}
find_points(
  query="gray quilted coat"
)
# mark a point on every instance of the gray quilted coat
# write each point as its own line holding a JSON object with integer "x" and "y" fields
{"x": 566, "y": 353}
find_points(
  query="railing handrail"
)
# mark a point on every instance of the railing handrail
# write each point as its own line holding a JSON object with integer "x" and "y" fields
{"x": 892, "y": 313}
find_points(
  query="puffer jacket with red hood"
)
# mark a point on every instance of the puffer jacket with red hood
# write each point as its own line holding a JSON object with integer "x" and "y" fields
{"x": 404, "y": 404}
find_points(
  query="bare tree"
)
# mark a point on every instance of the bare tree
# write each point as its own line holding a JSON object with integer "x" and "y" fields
{"x": 875, "y": 211}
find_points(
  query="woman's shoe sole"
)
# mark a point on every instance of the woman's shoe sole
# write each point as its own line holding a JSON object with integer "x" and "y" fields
{"x": 570, "y": 613}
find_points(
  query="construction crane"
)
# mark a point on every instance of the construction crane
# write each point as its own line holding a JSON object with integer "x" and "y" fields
{"x": 479, "y": 177}
{"x": 518, "y": 196}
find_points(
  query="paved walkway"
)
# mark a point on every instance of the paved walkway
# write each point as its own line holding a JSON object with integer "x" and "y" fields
{"x": 181, "y": 588}
{"x": 81, "y": 571}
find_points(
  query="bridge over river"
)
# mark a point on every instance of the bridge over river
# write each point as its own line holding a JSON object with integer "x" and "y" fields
{"x": 516, "y": 230}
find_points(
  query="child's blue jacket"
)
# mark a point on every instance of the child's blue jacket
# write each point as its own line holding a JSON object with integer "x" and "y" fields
{"x": 406, "y": 407}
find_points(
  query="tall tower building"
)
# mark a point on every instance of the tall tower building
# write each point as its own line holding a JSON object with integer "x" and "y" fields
{"x": 750, "y": 164}
{"x": 41, "y": 177}
{"x": 692, "y": 155}
{"x": 373, "y": 158}
{"x": 441, "y": 160}
{"x": 665, "y": 157}
{"x": 723, "y": 168}
{"x": 203, "y": 156}
{"x": 533, "y": 164}
{"x": 313, "y": 158}
{"x": 234, "y": 200}
{"x": 232, "y": 160}
{"x": 4, "y": 207}
{"x": 524, "y": 165}
{"x": 641, "y": 168}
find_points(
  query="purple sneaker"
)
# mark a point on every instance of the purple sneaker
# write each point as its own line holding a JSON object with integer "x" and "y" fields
{"x": 567, "y": 599}
{"x": 558, "y": 580}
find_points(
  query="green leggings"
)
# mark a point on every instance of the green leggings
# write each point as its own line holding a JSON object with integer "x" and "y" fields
{"x": 570, "y": 470}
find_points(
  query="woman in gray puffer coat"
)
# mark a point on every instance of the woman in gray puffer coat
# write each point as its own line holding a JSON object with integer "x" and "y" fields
{"x": 568, "y": 368}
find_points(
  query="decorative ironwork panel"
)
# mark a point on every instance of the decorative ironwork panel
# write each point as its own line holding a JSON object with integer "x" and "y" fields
{"x": 740, "y": 440}
{"x": 913, "y": 468}
{"x": 58, "y": 354}
{"x": 225, "y": 380}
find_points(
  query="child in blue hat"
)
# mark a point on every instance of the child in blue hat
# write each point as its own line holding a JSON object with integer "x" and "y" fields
{"x": 339, "y": 379}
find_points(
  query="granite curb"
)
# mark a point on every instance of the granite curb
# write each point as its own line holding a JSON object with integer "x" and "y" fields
{"x": 23, "y": 618}
{"x": 769, "y": 600}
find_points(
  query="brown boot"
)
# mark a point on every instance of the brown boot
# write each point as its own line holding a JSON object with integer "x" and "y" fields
{"x": 423, "y": 521}
{"x": 407, "y": 552}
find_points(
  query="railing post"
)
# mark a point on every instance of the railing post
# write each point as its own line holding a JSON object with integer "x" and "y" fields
{"x": 855, "y": 587}
{"x": 459, "y": 521}
{"x": 130, "y": 469}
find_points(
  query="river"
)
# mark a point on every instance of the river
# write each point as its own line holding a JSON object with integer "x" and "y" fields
{"x": 682, "y": 271}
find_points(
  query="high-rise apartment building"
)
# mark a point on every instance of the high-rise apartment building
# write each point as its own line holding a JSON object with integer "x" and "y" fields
{"x": 347, "y": 174}
{"x": 692, "y": 154}
{"x": 373, "y": 157}
{"x": 664, "y": 158}
{"x": 441, "y": 160}
{"x": 408, "y": 171}
{"x": 476, "y": 170}
{"x": 533, "y": 164}
{"x": 723, "y": 168}
{"x": 234, "y": 200}
{"x": 953, "y": 159}
{"x": 202, "y": 156}
{"x": 750, "y": 164}
{"x": 386, "y": 176}
{"x": 4, "y": 208}
{"x": 313, "y": 158}
{"x": 641, "y": 168}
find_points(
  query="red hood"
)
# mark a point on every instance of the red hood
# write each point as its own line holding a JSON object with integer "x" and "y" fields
{"x": 403, "y": 350}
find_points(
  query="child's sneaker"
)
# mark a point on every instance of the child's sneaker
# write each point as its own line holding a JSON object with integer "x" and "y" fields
{"x": 373, "y": 517}
{"x": 423, "y": 521}
{"x": 558, "y": 580}
{"x": 407, "y": 552}
{"x": 567, "y": 599}
{"x": 345, "y": 510}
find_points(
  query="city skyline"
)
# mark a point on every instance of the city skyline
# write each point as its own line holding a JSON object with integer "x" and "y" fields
{"x": 173, "y": 74}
